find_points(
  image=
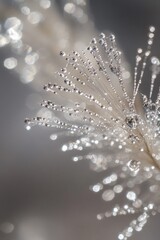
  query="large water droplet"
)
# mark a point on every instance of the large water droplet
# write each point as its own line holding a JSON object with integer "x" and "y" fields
{"x": 134, "y": 165}
{"x": 132, "y": 121}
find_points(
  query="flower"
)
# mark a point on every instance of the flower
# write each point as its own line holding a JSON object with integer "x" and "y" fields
{"x": 115, "y": 129}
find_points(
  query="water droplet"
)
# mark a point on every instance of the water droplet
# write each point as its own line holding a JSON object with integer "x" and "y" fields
{"x": 151, "y": 28}
{"x": 28, "y": 73}
{"x": 53, "y": 137}
{"x": 62, "y": 53}
{"x": 69, "y": 8}
{"x": 45, "y": 4}
{"x": 118, "y": 188}
{"x": 155, "y": 61}
{"x": 108, "y": 195}
{"x": 28, "y": 127}
{"x": 154, "y": 188}
{"x": 132, "y": 121}
{"x": 137, "y": 203}
{"x": 64, "y": 148}
{"x": 25, "y": 10}
{"x": 102, "y": 35}
{"x": 134, "y": 165}
{"x": 31, "y": 58}
{"x": 3, "y": 41}
{"x": 14, "y": 28}
{"x": 77, "y": 158}
{"x": 131, "y": 196}
{"x": 97, "y": 187}
{"x": 35, "y": 17}
{"x": 139, "y": 50}
{"x": 10, "y": 63}
{"x": 114, "y": 177}
{"x": 13, "y": 22}
{"x": 120, "y": 236}
{"x": 100, "y": 216}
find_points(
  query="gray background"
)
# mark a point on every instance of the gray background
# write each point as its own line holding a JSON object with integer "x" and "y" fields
{"x": 37, "y": 180}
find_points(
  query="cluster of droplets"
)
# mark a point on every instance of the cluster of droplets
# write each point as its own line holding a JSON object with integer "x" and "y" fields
{"x": 30, "y": 20}
{"x": 14, "y": 32}
{"x": 119, "y": 131}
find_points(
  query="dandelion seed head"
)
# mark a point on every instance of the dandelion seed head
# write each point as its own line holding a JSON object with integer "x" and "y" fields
{"x": 96, "y": 107}
{"x": 116, "y": 130}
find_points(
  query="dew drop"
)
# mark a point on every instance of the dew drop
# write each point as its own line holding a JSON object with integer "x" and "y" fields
{"x": 69, "y": 8}
{"x": 64, "y": 148}
{"x": 3, "y": 41}
{"x": 154, "y": 188}
{"x": 97, "y": 187}
{"x": 134, "y": 165}
{"x": 120, "y": 236}
{"x": 137, "y": 203}
{"x": 45, "y": 4}
{"x": 108, "y": 195}
{"x": 100, "y": 216}
{"x": 62, "y": 53}
{"x": 13, "y": 22}
{"x": 118, "y": 188}
{"x": 10, "y": 63}
{"x": 131, "y": 196}
{"x": 155, "y": 61}
{"x": 132, "y": 121}
{"x": 152, "y": 29}
{"x": 28, "y": 127}
{"x": 25, "y": 10}
{"x": 53, "y": 137}
{"x": 35, "y": 17}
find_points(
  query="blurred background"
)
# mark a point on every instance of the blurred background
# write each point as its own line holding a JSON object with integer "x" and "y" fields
{"x": 44, "y": 195}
